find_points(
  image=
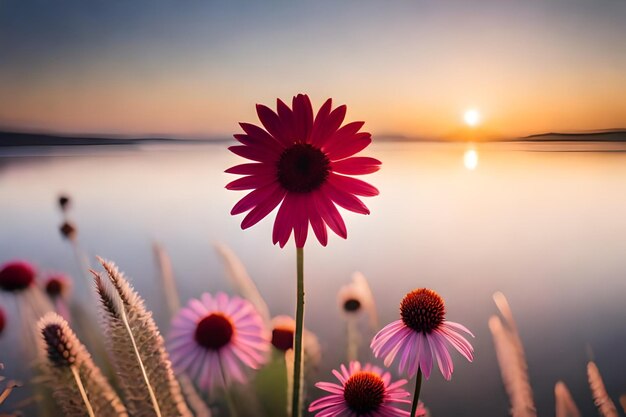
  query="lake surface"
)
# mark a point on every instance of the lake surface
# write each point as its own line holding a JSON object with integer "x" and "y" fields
{"x": 543, "y": 223}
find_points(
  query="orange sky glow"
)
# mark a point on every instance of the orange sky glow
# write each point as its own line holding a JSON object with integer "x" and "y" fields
{"x": 409, "y": 70}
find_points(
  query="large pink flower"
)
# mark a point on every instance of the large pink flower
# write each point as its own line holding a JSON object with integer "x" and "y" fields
{"x": 214, "y": 336}
{"x": 302, "y": 162}
{"x": 422, "y": 336}
{"x": 363, "y": 392}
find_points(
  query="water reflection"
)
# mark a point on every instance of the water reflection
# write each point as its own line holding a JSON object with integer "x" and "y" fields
{"x": 545, "y": 228}
{"x": 470, "y": 159}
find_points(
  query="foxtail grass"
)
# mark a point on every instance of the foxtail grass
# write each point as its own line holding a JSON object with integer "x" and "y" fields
{"x": 137, "y": 349}
{"x": 606, "y": 407}
{"x": 78, "y": 385}
{"x": 513, "y": 371}
{"x": 565, "y": 405}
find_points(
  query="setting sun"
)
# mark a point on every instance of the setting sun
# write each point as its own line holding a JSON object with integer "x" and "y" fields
{"x": 471, "y": 117}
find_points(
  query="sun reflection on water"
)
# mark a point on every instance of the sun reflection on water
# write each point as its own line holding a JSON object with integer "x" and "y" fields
{"x": 470, "y": 159}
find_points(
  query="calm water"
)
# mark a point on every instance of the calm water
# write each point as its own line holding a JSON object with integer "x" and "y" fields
{"x": 544, "y": 224}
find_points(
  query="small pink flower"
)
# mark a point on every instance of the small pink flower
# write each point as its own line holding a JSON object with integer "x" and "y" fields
{"x": 16, "y": 276}
{"x": 303, "y": 162}
{"x": 364, "y": 391}
{"x": 422, "y": 335}
{"x": 212, "y": 337}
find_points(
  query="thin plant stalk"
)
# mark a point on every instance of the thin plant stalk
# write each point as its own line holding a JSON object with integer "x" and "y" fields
{"x": 82, "y": 391}
{"x": 296, "y": 408}
{"x": 153, "y": 398}
{"x": 353, "y": 339}
{"x": 170, "y": 292}
{"x": 418, "y": 388}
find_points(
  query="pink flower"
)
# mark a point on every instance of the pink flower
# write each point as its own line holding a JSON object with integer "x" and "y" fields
{"x": 364, "y": 391}
{"x": 302, "y": 162}
{"x": 16, "y": 276}
{"x": 213, "y": 336}
{"x": 422, "y": 336}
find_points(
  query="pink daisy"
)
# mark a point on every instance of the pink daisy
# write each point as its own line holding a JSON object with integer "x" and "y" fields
{"x": 302, "y": 162}
{"x": 422, "y": 335}
{"x": 364, "y": 391}
{"x": 212, "y": 337}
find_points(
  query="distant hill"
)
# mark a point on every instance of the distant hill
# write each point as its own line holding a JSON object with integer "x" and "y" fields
{"x": 43, "y": 139}
{"x": 14, "y": 139}
{"x": 611, "y": 135}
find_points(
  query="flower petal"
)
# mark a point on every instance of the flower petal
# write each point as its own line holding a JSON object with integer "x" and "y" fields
{"x": 284, "y": 221}
{"x": 286, "y": 118}
{"x": 272, "y": 123}
{"x": 329, "y": 213}
{"x": 352, "y": 185}
{"x": 332, "y": 123}
{"x": 250, "y": 182}
{"x": 345, "y": 199}
{"x": 255, "y": 154}
{"x": 303, "y": 117}
{"x": 301, "y": 221}
{"x": 256, "y": 197}
{"x": 318, "y": 225}
{"x": 262, "y": 210}
{"x": 253, "y": 168}
{"x": 260, "y": 144}
{"x": 349, "y": 146}
{"x": 358, "y": 165}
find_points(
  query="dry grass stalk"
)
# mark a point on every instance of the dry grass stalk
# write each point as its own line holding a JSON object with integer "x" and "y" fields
{"x": 168, "y": 282}
{"x": 241, "y": 280}
{"x": 565, "y": 405}
{"x": 78, "y": 385}
{"x": 137, "y": 349}
{"x": 167, "y": 279}
{"x": 514, "y": 373}
{"x": 601, "y": 398}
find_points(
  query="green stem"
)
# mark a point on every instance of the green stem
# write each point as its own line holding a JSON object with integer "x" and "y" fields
{"x": 296, "y": 407}
{"x": 416, "y": 396}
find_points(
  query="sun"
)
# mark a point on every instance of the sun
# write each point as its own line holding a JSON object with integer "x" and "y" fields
{"x": 471, "y": 117}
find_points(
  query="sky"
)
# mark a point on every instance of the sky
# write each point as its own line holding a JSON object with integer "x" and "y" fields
{"x": 411, "y": 68}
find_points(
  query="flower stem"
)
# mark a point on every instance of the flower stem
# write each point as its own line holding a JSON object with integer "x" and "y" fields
{"x": 82, "y": 391}
{"x": 296, "y": 399}
{"x": 418, "y": 387}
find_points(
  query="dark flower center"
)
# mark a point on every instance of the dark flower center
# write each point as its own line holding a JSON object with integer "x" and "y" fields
{"x": 364, "y": 392}
{"x": 302, "y": 168}
{"x": 422, "y": 310}
{"x": 60, "y": 350}
{"x": 54, "y": 287}
{"x": 282, "y": 338}
{"x": 16, "y": 277}
{"x": 214, "y": 331}
{"x": 352, "y": 305}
